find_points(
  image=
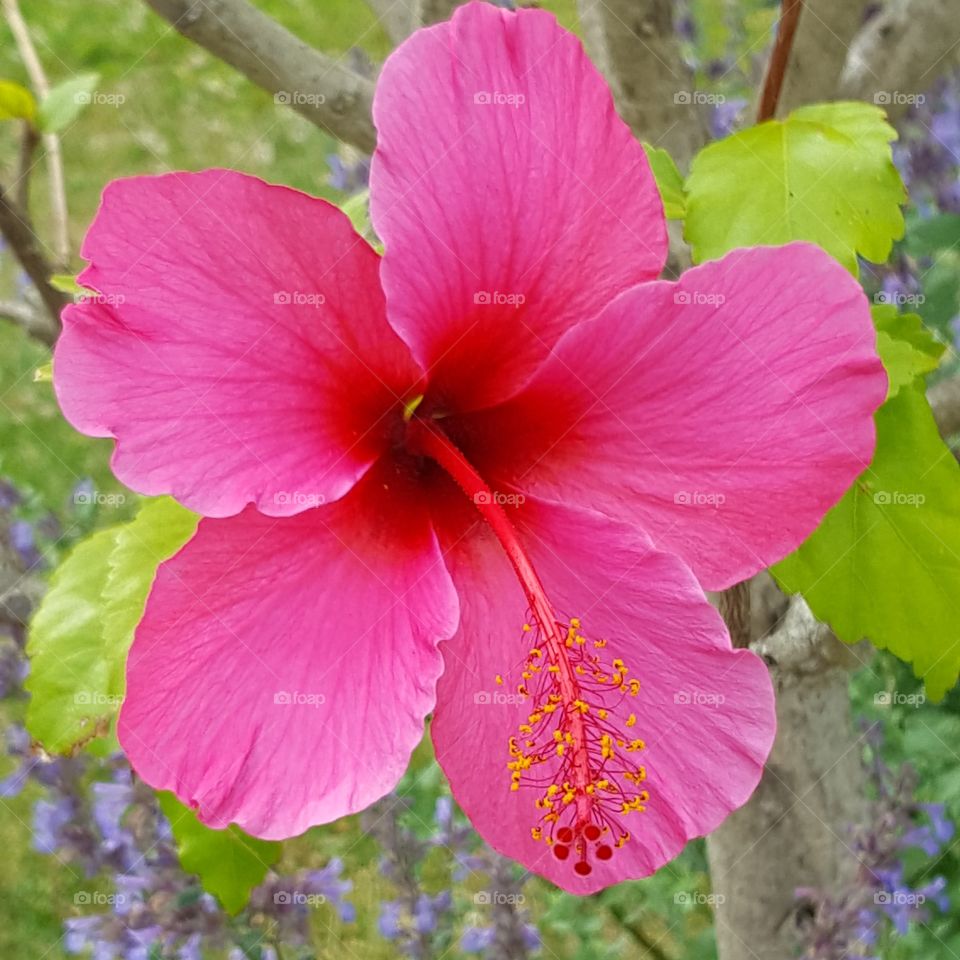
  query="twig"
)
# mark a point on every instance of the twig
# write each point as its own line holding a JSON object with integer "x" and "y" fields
{"x": 773, "y": 82}
{"x": 26, "y": 247}
{"x": 51, "y": 142}
{"x": 28, "y": 148}
{"x": 398, "y": 17}
{"x": 651, "y": 950}
{"x": 35, "y": 323}
{"x": 327, "y": 93}
{"x": 734, "y": 607}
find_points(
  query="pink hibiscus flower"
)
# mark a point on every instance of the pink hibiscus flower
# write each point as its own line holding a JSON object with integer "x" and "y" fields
{"x": 485, "y": 476}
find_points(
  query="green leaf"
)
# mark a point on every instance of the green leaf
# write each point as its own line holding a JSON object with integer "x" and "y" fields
{"x": 907, "y": 348}
{"x": 16, "y": 102}
{"x": 927, "y": 237}
{"x": 62, "y": 105}
{"x": 70, "y": 683}
{"x": 824, "y": 174}
{"x": 885, "y": 562}
{"x": 357, "y": 208}
{"x": 229, "y": 862}
{"x": 669, "y": 182}
{"x": 157, "y": 532}
{"x": 66, "y": 283}
{"x": 81, "y": 632}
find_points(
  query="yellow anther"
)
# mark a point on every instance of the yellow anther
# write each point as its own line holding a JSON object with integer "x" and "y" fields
{"x": 632, "y": 720}
{"x": 553, "y": 668}
{"x": 619, "y": 666}
{"x": 557, "y": 735}
{"x": 602, "y": 714}
{"x": 499, "y": 680}
{"x": 569, "y": 796}
{"x": 535, "y": 718}
{"x": 526, "y": 627}
{"x": 559, "y": 749}
{"x": 634, "y": 687}
{"x": 526, "y": 728}
{"x": 599, "y": 644}
{"x": 581, "y": 705}
{"x": 552, "y": 790}
{"x": 536, "y": 833}
{"x": 578, "y": 669}
{"x": 636, "y": 745}
{"x": 514, "y": 786}
{"x": 536, "y": 653}
{"x": 575, "y": 623}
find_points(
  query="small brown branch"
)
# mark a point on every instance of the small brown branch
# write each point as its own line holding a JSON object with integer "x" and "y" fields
{"x": 773, "y": 82}
{"x": 28, "y": 149}
{"x": 397, "y": 17}
{"x": 27, "y": 249}
{"x": 329, "y": 94}
{"x": 51, "y": 142}
{"x": 734, "y": 607}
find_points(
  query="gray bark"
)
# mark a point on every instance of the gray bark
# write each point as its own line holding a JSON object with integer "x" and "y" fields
{"x": 794, "y": 830}
{"x": 326, "y": 92}
{"x": 634, "y": 44}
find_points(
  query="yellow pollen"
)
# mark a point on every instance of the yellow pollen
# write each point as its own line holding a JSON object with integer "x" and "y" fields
{"x": 499, "y": 680}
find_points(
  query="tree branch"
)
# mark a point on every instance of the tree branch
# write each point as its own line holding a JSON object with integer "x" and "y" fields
{"x": 26, "y": 247}
{"x": 434, "y": 11}
{"x": 398, "y": 17}
{"x": 790, "y": 11}
{"x": 819, "y": 52}
{"x": 51, "y": 142}
{"x": 793, "y": 830}
{"x": 900, "y": 53}
{"x": 318, "y": 87}
{"x": 634, "y": 44}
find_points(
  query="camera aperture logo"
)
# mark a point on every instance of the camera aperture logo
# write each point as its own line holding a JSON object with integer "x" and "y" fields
{"x": 298, "y": 98}
{"x": 299, "y": 498}
{"x": 297, "y": 698}
{"x": 699, "y": 298}
{"x": 489, "y": 898}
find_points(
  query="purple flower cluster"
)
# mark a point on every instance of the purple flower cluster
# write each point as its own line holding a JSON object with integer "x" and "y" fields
{"x": 102, "y": 823}
{"x": 421, "y": 922}
{"x": 849, "y": 926}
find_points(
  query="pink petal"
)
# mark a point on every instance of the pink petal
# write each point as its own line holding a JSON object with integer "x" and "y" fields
{"x": 724, "y": 414}
{"x": 502, "y": 172}
{"x": 239, "y": 350}
{"x": 705, "y": 711}
{"x": 284, "y": 666}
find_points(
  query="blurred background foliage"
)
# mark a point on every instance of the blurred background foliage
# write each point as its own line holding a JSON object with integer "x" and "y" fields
{"x": 414, "y": 886}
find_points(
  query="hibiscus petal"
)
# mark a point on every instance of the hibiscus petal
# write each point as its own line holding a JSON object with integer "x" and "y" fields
{"x": 238, "y": 349}
{"x": 724, "y": 414}
{"x": 284, "y": 666}
{"x": 704, "y": 710}
{"x": 512, "y": 199}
